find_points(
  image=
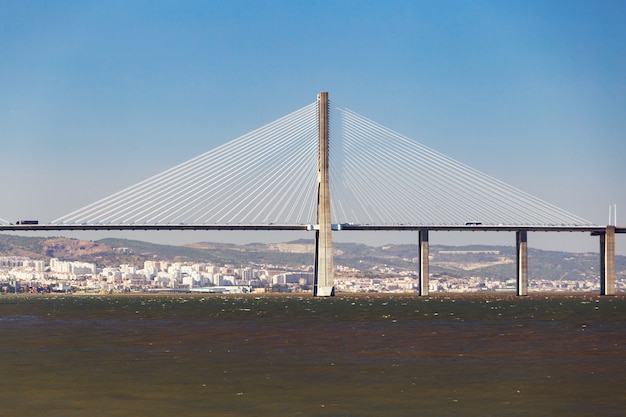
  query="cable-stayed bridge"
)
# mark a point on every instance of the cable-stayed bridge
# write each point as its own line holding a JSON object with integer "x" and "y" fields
{"x": 324, "y": 168}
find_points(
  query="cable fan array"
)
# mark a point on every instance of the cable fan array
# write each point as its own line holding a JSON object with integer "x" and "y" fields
{"x": 270, "y": 176}
{"x": 266, "y": 176}
{"x": 380, "y": 177}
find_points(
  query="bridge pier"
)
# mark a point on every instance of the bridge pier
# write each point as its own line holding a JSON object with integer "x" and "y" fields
{"x": 607, "y": 261}
{"x": 423, "y": 263}
{"x": 522, "y": 262}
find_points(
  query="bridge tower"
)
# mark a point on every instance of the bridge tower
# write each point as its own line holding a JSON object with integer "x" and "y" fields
{"x": 324, "y": 268}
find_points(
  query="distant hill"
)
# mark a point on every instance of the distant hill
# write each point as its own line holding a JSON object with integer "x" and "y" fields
{"x": 473, "y": 260}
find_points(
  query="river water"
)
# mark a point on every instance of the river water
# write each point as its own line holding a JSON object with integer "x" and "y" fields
{"x": 270, "y": 355}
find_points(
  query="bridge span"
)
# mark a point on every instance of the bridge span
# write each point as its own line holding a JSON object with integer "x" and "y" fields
{"x": 605, "y": 233}
{"x": 327, "y": 169}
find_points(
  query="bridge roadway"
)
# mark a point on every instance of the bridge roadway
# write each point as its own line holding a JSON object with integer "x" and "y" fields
{"x": 605, "y": 233}
{"x": 345, "y": 226}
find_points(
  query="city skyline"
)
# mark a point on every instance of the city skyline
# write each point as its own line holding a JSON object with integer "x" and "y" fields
{"x": 98, "y": 97}
{"x": 54, "y": 275}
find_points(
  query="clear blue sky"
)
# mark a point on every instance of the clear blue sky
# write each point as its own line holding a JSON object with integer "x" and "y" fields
{"x": 98, "y": 95}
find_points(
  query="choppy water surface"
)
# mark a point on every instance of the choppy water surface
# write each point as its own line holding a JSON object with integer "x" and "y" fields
{"x": 193, "y": 355}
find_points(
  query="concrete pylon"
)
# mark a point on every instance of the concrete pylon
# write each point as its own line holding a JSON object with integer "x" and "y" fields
{"x": 324, "y": 285}
{"x": 522, "y": 262}
{"x": 424, "y": 274}
{"x": 607, "y": 261}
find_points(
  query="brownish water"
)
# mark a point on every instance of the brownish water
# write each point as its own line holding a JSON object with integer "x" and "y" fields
{"x": 478, "y": 355}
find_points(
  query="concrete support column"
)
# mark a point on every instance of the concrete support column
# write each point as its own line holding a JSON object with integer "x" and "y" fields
{"x": 423, "y": 263}
{"x": 324, "y": 284}
{"x": 607, "y": 261}
{"x": 522, "y": 262}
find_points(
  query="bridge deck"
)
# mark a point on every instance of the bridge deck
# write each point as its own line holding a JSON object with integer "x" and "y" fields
{"x": 362, "y": 227}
